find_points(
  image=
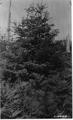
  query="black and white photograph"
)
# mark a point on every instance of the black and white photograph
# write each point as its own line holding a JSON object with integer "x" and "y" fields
{"x": 35, "y": 59}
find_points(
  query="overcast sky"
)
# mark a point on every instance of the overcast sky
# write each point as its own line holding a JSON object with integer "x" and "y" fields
{"x": 60, "y": 10}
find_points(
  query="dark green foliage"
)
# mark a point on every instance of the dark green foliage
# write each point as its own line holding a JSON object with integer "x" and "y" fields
{"x": 37, "y": 75}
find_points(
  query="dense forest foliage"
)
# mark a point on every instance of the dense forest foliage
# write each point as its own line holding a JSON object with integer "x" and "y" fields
{"x": 36, "y": 71}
